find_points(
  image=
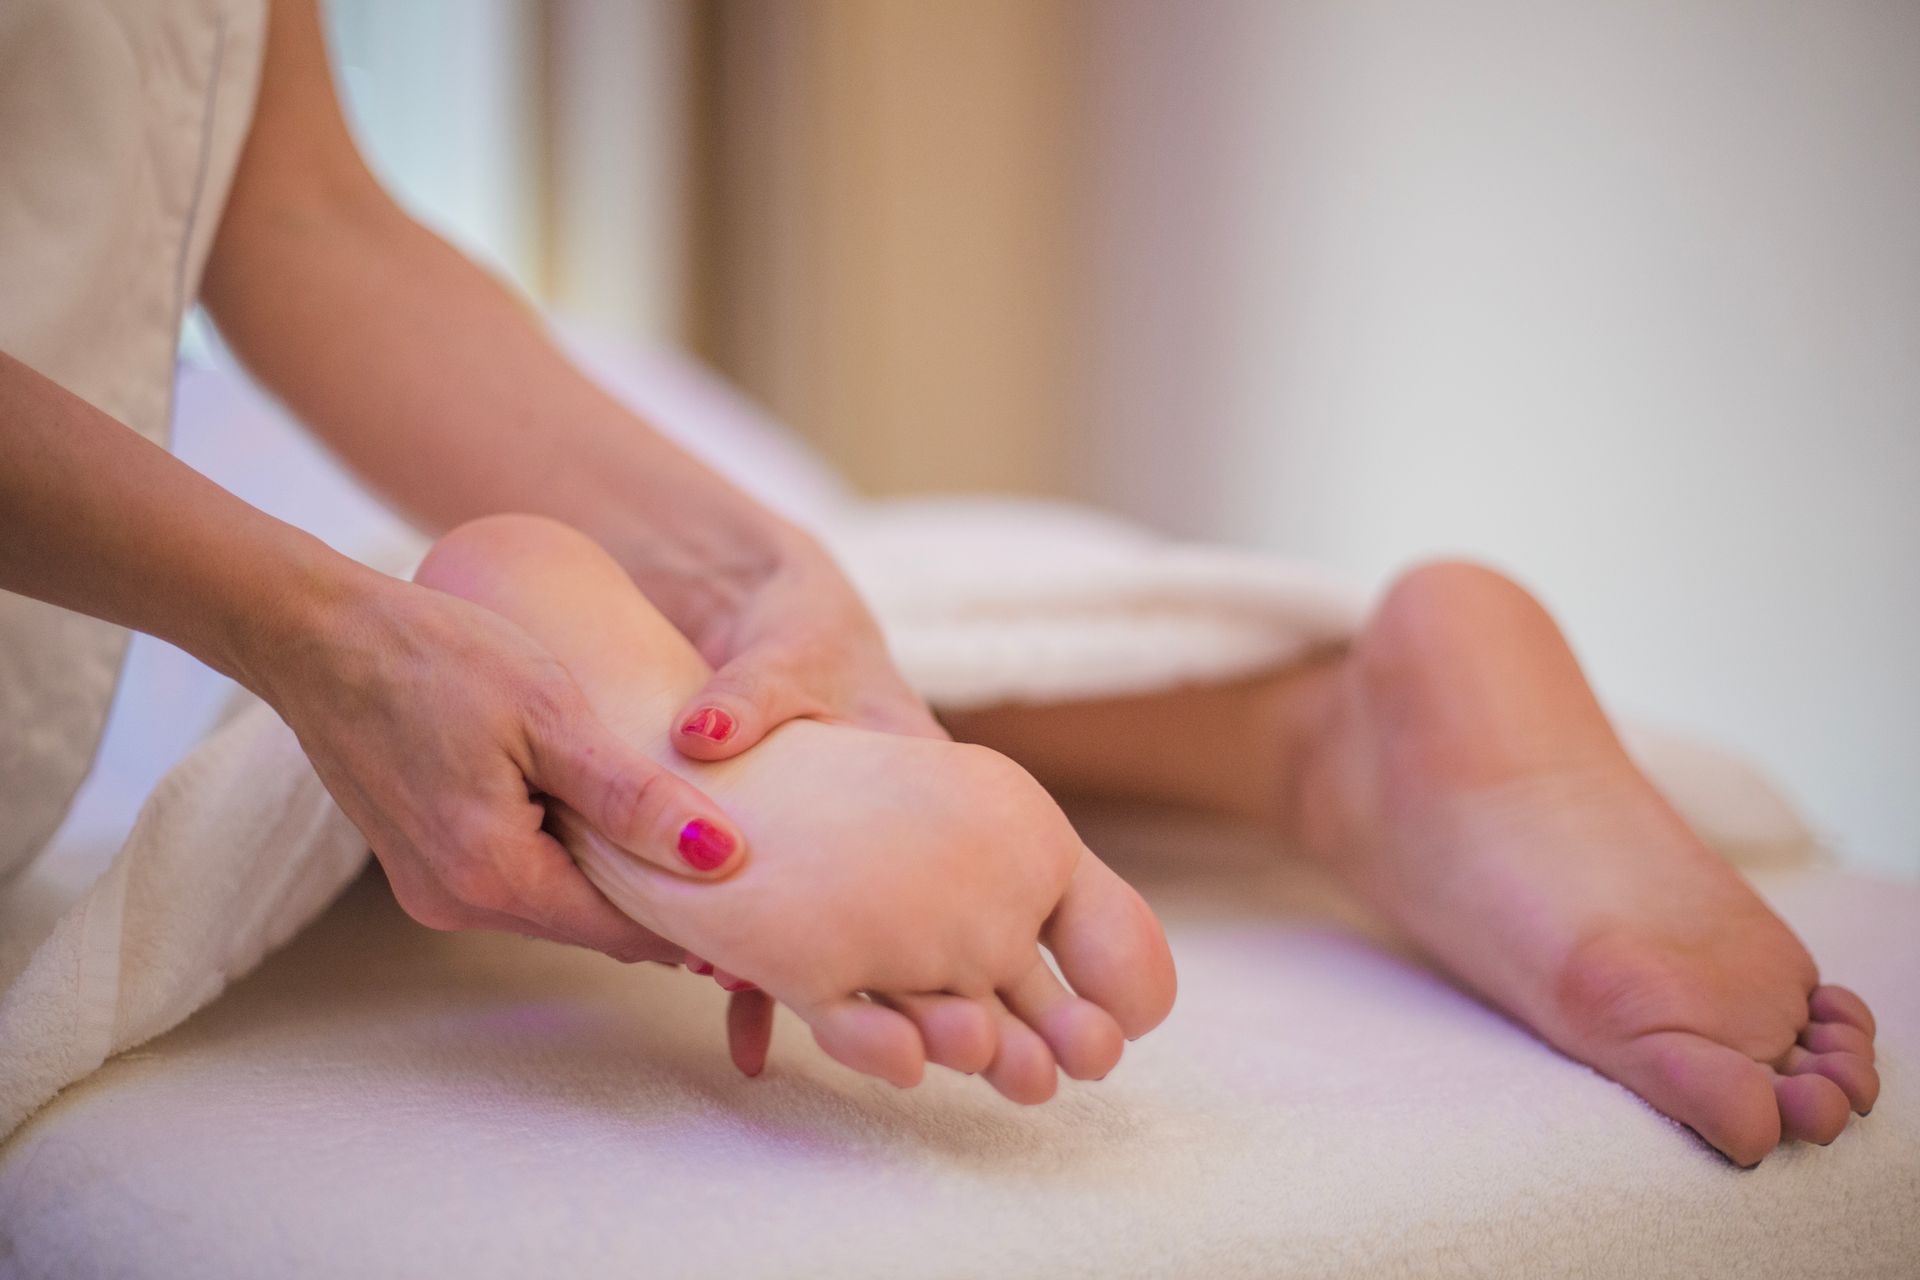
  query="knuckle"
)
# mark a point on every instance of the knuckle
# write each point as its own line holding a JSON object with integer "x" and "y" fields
{"x": 478, "y": 887}
{"x": 635, "y": 797}
{"x": 430, "y": 912}
{"x": 548, "y": 704}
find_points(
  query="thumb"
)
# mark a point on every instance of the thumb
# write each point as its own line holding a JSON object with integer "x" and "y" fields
{"x": 741, "y": 703}
{"x": 633, "y": 801}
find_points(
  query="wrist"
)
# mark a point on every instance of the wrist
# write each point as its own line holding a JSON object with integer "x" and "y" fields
{"x": 291, "y": 636}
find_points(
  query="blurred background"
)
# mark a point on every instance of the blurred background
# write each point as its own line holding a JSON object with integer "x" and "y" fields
{"x": 1623, "y": 297}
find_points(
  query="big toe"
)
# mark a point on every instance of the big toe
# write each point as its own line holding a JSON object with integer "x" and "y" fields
{"x": 1112, "y": 949}
{"x": 1722, "y": 1095}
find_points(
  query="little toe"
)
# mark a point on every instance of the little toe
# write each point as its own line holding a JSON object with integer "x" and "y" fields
{"x": 1812, "y": 1108}
{"x": 1854, "y": 1074}
{"x": 1023, "y": 1068}
{"x": 732, "y": 982}
{"x": 1111, "y": 948}
{"x": 959, "y": 1031}
{"x": 750, "y": 1030}
{"x": 1085, "y": 1039}
{"x": 1837, "y": 1004}
{"x": 869, "y": 1038}
{"x": 1722, "y": 1095}
{"x": 1837, "y": 1037}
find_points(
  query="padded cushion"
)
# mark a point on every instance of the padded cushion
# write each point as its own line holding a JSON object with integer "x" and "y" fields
{"x": 381, "y": 1100}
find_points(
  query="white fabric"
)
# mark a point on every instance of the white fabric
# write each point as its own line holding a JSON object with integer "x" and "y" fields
{"x": 120, "y": 125}
{"x": 382, "y": 1101}
{"x": 983, "y": 601}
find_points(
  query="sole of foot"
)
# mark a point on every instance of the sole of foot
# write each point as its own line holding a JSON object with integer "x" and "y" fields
{"x": 1465, "y": 781}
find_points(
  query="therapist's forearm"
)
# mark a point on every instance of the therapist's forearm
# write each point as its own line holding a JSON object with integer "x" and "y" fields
{"x": 96, "y": 519}
{"x": 441, "y": 390}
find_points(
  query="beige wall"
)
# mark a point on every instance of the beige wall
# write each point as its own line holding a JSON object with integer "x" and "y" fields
{"x": 886, "y": 252}
{"x": 1623, "y": 296}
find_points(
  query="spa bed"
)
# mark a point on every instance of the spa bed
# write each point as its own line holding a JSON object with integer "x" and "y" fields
{"x": 379, "y": 1100}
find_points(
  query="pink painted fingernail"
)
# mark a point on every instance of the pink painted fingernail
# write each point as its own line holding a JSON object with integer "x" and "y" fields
{"x": 709, "y": 722}
{"x": 738, "y": 984}
{"x": 704, "y": 845}
{"x": 700, "y": 967}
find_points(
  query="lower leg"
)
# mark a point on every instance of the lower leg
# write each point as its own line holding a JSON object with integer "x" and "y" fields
{"x": 1227, "y": 748}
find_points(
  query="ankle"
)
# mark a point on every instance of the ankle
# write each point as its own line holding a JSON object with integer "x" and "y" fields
{"x": 1309, "y": 713}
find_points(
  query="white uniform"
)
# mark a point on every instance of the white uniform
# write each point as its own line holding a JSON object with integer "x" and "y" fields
{"x": 120, "y": 125}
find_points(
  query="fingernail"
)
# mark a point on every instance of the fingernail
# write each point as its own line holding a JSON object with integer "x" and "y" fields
{"x": 738, "y": 984}
{"x": 700, "y": 967}
{"x": 704, "y": 846}
{"x": 709, "y": 722}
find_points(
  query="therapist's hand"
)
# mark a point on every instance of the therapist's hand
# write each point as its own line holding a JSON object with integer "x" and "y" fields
{"x": 796, "y": 641}
{"x": 438, "y": 726}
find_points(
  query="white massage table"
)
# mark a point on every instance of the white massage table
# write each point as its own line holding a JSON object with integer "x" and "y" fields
{"x": 380, "y": 1100}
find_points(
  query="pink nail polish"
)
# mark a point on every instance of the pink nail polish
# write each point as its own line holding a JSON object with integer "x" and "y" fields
{"x": 738, "y": 984}
{"x": 701, "y": 967}
{"x": 709, "y": 722}
{"x": 704, "y": 846}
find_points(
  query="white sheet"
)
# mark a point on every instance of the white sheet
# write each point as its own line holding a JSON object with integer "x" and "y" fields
{"x": 382, "y": 1101}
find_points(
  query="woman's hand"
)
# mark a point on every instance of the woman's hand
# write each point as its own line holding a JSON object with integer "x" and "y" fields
{"x": 795, "y": 642}
{"x": 439, "y": 726}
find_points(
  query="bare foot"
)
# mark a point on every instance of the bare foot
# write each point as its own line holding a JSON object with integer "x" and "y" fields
{"x": 895, "y": 890}
{"x": 1465, "y": 781}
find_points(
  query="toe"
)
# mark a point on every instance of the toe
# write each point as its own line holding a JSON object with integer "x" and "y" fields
{"x": 1023, "y": 1068}
{"x": 1854, "y": 1074}
{"x": 1812, "y": 1108}
{"x": 1837, "y": 1037}
{"x": 750, "y": 1030}
{"x": 958, "y": 1031}
{"x": 731, "y": 981}
{"x": 1837, "y": 1004}
{"x": 1085, "y": 1039}
{"x": 1722, "y": 1095}
{"x": 1111, "y": 948}
{"x": 869, "y": 1038}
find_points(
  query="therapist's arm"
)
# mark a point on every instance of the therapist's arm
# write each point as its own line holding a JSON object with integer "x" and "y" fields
{"x": 431, "y": 721}
{"x": 441, "y": 390}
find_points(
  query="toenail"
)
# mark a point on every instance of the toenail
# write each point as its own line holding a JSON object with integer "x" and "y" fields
{"x": 709, "y": 722}
{"x": 704, "y": 846}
